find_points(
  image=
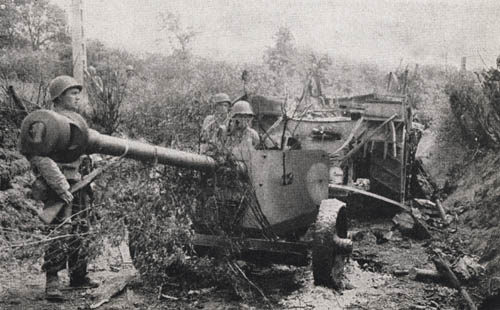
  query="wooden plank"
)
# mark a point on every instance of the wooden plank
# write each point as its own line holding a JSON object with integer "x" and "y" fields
{"x": 250, "y": 243}
{"x": 386, "y": 185}
{"x": 384, "y": 168}
{"x": 372, "y": 195}
{"x": 394, "y": 142}
{"x": 350, "y": 137}
{"x": 357, "y": 147}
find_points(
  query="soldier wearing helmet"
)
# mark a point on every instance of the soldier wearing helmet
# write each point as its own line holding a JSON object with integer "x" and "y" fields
{"x": 242, "y": 138}
{"x": 214, "y": 127}
{"x": 95, "y": 79}
{"x": 52, "y": 186}
{"x": 129, "y": 69}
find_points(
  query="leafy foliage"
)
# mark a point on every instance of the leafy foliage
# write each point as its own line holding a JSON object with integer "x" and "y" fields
{"x": 34, "y": 23}
{"x": 475, "y": 106}
{"x": 164, "y": 102}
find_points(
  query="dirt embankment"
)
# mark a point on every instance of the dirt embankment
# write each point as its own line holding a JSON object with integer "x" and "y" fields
{"x": 462, "y": 162}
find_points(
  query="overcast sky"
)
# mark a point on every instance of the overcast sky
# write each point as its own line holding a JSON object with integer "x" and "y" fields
{"x": 380, "y": 31}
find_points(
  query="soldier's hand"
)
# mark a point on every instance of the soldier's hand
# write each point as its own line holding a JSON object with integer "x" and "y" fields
{"x": 67, "y": 197}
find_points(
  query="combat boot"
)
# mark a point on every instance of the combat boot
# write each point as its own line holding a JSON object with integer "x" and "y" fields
{"x": 83, "y": 282}
{"x": 52, "y": 291}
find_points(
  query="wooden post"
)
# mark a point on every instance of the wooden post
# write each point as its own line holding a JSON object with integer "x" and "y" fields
{"x": 79, "y": 50}
{"x": 463, "y": 64}
{"x": 394, "y": 140}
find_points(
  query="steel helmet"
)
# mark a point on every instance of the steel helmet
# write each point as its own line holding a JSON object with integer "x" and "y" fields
{"x": 60, "y": 84}
{"x": 241, "y": 107}
{"x": 129, "y": 68}
{"x": 222, "y": 98}
{"x": 92, "y": 70}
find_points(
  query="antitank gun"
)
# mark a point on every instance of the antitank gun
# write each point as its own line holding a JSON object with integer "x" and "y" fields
{"x": 291, "y": 188}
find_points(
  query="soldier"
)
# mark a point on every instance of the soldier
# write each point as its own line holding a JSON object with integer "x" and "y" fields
{"x": 95, "y": 79}
{"x": 214, "y": 126}
{"x": 56, "y": 179}
{"x": 241, "y": 139}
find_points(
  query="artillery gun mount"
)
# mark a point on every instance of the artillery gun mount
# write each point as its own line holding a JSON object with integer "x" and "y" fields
{"x": 291, "y": 189}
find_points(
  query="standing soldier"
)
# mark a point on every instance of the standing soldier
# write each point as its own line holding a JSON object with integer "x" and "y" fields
{"x": 54, "y": 181}
{"x": 242, "y": 138}
{"x": 214, "y": 126}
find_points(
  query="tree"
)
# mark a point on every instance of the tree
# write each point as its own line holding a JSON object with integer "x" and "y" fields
{"x": 42, "y": 23}
{"x": 317, "y": 69}
{"x": 178, "y": 37}
{"x": 36, "y": 23}
{"x": 280, "y": 58}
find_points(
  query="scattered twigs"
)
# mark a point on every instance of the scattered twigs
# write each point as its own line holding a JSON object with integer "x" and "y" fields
{"x": 46, "y": 240}
{"x": 237, "y": 270}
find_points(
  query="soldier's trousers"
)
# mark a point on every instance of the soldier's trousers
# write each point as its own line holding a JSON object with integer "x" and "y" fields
{"x": 71, "y": 250}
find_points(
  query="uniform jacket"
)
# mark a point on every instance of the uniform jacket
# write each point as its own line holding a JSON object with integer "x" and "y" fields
{"x": 242, "y": 142}
{"x": 56, "y": 175}
{"x": 213, "y": 132}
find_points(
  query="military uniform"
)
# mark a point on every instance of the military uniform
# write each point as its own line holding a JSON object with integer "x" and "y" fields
{"x": 242, "y": 139}
{"x": 241, "y": 143}
{"x": 214, "y": 127}
{"x": 60, "y": 177}
{"x": 213, "y": 132}
{"x": 52, "y": 186}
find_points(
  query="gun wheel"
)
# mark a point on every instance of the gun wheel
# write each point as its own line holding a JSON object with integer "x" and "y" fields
{"x": 327, "y": 259}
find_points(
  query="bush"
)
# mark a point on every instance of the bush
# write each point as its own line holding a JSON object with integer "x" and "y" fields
{"x": 30, "y": 72}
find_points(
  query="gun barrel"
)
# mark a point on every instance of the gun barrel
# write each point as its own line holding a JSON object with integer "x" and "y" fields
{"x": 103, "y": 144}
{"x": 65, "y": 136}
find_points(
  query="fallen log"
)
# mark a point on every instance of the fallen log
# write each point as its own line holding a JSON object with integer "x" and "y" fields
{"x": 450, "y": 276}
{"x": 424, "y": 274}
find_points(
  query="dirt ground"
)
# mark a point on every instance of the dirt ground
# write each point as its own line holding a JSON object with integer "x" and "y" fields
{"x": 370, "y": 284}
